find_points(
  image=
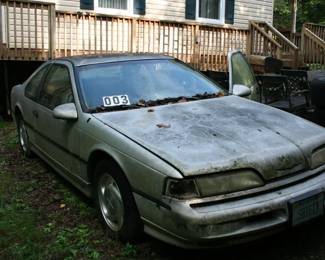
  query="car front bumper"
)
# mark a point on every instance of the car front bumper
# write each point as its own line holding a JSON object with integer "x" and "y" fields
{"x": 224, "y": 223}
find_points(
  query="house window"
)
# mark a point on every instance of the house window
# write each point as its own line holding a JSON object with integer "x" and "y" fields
{"x": 118, "y": 7}
{"x": 115, "y": 4}
{"x": 210, "y": 11}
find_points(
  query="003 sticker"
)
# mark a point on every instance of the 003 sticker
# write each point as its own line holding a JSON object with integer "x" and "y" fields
{"x": 119, "y": 100}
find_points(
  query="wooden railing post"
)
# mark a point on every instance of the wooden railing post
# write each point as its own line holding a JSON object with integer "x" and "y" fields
{"x": 196, "y": 47}
{"x": 134, "y": 38}
{"x": 1, "y": 30}
{"x": 302, "y": 45}
{"x": 52, "y": 31}
{"x": 250, "y": 39}
{"x": 296, "y": 59}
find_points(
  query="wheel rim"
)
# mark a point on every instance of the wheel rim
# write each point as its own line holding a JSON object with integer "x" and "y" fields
{"x": 110, "y": 202}
{"x": 23, "y": 139}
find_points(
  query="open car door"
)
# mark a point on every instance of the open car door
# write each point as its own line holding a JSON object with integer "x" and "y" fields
{"x": 241, "y": 76}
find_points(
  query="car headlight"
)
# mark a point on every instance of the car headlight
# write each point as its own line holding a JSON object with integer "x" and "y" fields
{"x": 182, "y": 189}
{"x": 318, "y": 157}
{"x": 229, "y": 182}
{"x": 213, "y": 184}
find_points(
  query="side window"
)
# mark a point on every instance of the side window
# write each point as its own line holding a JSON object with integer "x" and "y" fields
{"x": 57, "y": 88}
{"x": 33, "y": 87}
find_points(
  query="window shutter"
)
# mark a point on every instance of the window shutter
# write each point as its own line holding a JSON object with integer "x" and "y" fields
{"x": 139, "y": 7}
{"x": 190, "y": 9}
{"x": 87, "y": 4}
{"x": 230, "y": 11}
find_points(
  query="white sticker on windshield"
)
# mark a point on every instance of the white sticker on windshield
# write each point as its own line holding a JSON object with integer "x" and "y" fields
{"x": 119, "y": 100}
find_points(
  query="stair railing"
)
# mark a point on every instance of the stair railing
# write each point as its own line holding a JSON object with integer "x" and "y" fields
{"x": 268, "y": 41}
{"x": 313, "y": 45}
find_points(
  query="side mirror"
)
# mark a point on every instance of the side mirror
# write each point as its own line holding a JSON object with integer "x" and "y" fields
{"x": 66, "y": 112}
{"x": 241, "y": 90}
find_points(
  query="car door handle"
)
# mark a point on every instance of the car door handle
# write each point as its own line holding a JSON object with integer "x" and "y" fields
{"x": 35, "y": 113}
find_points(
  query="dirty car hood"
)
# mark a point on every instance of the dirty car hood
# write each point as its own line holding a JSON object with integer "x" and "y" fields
{"x": 222, "y": 134}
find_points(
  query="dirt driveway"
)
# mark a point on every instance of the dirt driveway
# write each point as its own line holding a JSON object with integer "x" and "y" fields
{"x": 44, "y": 217}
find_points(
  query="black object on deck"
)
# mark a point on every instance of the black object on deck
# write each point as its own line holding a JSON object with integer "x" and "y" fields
{"x": 318, "y": 98}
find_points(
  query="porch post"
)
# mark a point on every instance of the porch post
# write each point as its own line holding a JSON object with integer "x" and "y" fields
{"x": 294, "y": 8}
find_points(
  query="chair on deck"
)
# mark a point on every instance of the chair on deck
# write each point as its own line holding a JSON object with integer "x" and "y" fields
{"x": 275, "y": 92}
{"x": 298, "y": 85}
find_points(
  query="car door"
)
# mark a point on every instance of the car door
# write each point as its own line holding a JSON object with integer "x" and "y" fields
{"x": 56, "y": 138}
{"x": 30, "y": 102}
{"x": 241, "y": 73}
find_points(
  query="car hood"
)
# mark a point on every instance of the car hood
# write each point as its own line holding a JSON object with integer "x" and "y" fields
{"x": 222, "y": 134}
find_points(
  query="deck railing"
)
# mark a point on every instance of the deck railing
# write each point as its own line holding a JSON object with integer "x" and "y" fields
{"x": 268, "y": 41}
{"x": 313, "y": 46}
{"x": 317, "y": 29}
{"x": 25, "y": 30}
{"x": 36, "y": 31}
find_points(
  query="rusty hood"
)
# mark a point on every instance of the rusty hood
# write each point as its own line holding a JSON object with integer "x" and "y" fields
{"x": 222, "y": 134}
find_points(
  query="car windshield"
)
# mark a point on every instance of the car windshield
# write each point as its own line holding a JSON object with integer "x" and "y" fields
{"x": 132, "y": 84}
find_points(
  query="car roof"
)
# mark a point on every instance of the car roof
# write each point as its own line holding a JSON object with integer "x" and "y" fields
{"x": 107, "y": 58}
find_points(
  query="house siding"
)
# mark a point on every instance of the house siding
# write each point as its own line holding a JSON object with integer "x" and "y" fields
{"x": 174, "y": 10}
{"x": 246, "y": 10}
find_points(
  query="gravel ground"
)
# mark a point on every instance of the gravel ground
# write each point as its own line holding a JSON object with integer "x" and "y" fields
{"x": 67, "y": 225}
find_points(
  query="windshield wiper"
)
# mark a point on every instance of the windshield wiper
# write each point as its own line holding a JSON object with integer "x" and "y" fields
{"x": 182, "y": 99}
{"x": 102, "y": 108}
{"x": 208, "y": 95}
{"x": 165, "y": 101}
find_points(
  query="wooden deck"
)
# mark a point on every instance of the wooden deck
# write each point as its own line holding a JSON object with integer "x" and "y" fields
{"x": 36, "y": 31}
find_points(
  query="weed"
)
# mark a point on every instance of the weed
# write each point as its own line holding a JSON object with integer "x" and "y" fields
{"x": 129, "y": 250}
{"x": 74, "y": 242}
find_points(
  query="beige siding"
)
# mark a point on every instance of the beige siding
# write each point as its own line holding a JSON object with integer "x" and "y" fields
{"x": 174, "y": 10}
{"x": 246, "y": 10}
{"x": 68, "y": 5}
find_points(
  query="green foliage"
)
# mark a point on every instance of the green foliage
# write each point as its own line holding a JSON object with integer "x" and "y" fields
{"x": 129, "y": 251}
{"x": 72, "y": 243}
{"x": 19, "y": 239}
{"x": 2, "y": 124}
{"x": 308, "y": 11}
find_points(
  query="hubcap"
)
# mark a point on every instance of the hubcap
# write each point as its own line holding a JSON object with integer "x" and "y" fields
{"x": 110, "y": 202}
{"x": 23, "y": 136}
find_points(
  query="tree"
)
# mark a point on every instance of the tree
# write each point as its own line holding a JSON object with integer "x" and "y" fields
{"x": 308, "y": 11}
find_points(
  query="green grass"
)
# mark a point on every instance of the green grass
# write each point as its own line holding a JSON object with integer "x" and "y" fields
{"x": 2, "y": 124}
{"x": 23, "y": 236}
{"x": 43, "y": 217}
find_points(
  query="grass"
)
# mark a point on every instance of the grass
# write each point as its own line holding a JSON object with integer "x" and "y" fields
{"x": 44, "y": 217}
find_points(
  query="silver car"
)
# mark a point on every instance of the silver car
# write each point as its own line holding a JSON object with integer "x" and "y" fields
{"x": 165, "y": 150}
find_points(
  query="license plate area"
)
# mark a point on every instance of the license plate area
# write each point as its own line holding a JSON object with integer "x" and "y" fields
{"x": 306, "y": 207}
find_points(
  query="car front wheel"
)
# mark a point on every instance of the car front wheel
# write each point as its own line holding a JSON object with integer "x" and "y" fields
{"x": 116, "y": 203}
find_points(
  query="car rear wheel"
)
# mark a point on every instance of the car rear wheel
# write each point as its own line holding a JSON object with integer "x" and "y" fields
{"x": 116, "y": 203}
{"x": 23, "y": 138}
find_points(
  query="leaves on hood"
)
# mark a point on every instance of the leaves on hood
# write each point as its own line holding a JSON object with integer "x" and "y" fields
{"x": 163, "y": 125}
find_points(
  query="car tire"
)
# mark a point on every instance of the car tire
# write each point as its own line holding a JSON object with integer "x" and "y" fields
{"x": 23, "y": 138}
{"x": 116, "y": 203}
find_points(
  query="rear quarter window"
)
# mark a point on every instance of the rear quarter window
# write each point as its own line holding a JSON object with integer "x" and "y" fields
{"x": 34, "y": 85}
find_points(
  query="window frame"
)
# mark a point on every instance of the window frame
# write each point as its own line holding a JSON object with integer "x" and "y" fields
{"x": 222, "y": 10}
{"x": 44, "y": 82}
{"x": 113, "y": 11}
